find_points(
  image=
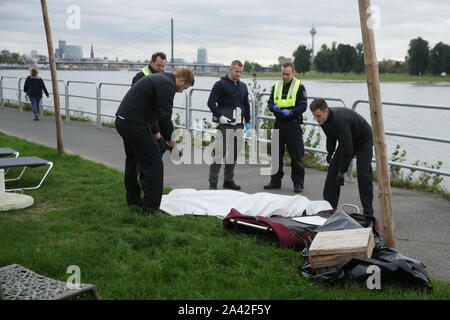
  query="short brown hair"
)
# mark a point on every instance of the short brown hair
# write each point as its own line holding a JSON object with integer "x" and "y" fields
{"x": 34, "y": 71}
{"x": 318, "y": 103}
{"x": 236, "y": 63}
{"x": 289, "y": 64}
{"x": 186, "y": 74}
{"x": 162, "y": 55}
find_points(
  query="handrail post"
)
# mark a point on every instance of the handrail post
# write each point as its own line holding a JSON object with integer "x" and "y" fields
{"x": 67, "y": 98}
{"x": 1, "y": 93}
{"x": 188, "y": 111}
{"x": 19, "y": 94}
{"x": 99, "y": 107}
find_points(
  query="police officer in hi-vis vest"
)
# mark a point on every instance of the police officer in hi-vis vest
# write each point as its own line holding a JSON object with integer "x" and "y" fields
{"x": 288, "y": 101}
{"x": 157, "y": 64}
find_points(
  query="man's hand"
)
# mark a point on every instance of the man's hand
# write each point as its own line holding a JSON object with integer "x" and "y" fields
{"x": 329, "y": 156}
{"x": 276, "y": 108}
{"x": 224, "y": 120}
{"x": 157, "y": 135}
{"x": 285, "y": 112}
{"x": 172, "y": 143}
{"x": 340, "y": 179}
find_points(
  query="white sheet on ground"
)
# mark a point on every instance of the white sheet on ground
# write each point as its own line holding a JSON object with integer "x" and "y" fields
{"x": 220, "y": 202}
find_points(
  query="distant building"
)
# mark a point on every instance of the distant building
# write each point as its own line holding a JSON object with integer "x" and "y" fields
{"x": 202, "y": 56}
{"x": 178, "y": 60}
{"x": 59, "y": 53}
{"x": 73, "y": 53}
{"x": 34, "y": 54}
{"x": 92, "y": 52}
{"x": 6, "y": 53}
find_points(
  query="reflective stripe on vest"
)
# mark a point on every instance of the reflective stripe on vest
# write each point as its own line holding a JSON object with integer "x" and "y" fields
{"x": 291, "y": 96}
{"x": 146, "y": 71}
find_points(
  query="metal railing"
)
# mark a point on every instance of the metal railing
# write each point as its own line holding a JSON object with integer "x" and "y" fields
{"x": 189, "y": 109}
{"x": 412, "y": 136}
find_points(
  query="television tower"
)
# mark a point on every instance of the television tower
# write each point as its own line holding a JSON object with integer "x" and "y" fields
{"x": 313, "y": 33}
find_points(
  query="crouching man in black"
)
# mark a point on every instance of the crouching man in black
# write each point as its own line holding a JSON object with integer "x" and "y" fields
{"x": 143, "y": 117}
{"x": 354, "y": 137}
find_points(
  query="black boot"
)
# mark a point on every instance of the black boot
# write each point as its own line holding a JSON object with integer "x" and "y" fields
{"x": 298, "y": 188}
{"x": 212, "y": 186}
{"x": 273, "y": 185}
{"x": 231, "y": 185}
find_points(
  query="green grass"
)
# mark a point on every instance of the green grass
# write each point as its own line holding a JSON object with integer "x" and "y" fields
{"x": 80, "y": 218}
{"x": 384, "y": 77}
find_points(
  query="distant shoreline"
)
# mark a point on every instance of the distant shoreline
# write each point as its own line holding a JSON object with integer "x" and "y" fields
{"x": 425, "y": 80}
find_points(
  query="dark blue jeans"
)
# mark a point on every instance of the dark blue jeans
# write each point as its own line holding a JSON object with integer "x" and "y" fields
{"x": 35, "y": 104}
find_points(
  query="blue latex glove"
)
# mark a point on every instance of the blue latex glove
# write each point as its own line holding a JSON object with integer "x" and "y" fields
{"x": 276, "y": 108}
{"x": 285, "y": 112}
{"x": 247, "y": 127}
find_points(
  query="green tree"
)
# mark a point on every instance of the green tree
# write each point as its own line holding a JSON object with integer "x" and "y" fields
{"x": 302, "y": 59}
{"x": 345, "y": 57}
{"x": 252, "y": 66}
{"x": 439, "y": 58}
{"x": 358, "y": 66}
{"x": 418, "y": 56}
{"x": 324, "y": 60}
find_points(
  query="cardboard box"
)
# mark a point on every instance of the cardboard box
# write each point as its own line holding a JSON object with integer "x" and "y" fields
{"x": 330, "y": 248}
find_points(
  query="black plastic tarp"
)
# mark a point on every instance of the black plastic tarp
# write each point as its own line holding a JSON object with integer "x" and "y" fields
{"x": 395, "y": 268}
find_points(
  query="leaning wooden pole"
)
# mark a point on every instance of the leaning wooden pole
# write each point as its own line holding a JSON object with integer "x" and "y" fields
{"x": 51, "y": 57}
{"x": 376, "y": 114}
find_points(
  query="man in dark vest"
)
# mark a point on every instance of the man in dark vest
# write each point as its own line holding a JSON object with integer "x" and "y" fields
{"x": 353, "y": 135}
{"x": 145, "y": 109}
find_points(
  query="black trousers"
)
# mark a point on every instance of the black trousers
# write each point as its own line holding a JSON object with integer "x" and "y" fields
{"x": 290, "y": 137}
{"x": 229, "y": 156}
{"x": 332, "y": 191}
{"x": 143, "y": 159}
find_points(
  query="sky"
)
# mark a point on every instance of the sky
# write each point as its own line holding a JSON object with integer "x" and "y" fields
{"x": 254, "y": 30}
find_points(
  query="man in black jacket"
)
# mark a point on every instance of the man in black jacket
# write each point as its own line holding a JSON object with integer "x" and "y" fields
{"x": 354, "y": 137}
{"x": 145, "y": 110}
{"x": 228, "y": 101}
{"x": 288, "y": 102}
{"x": 157, "y": 64}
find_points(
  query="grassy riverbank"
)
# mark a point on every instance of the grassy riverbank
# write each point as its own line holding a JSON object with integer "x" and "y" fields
{"x": 80, "y": 218}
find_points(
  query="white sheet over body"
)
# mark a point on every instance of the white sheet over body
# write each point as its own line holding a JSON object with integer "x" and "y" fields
{"x": 220, "y": 202}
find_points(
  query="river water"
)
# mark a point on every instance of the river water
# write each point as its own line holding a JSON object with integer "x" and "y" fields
{"x": 433, "y": 123}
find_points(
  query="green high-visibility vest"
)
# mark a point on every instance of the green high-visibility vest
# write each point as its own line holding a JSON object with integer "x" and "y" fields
{"x": 146, "y": 71}
{"x": 292, "y": 94}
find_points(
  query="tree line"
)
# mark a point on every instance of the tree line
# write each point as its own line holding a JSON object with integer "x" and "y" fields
{"x": 345, "y": 58}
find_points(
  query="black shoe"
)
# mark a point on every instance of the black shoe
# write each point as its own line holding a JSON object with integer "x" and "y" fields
{"x": 231, "y": 185}
{"x": 138, "y": 202}
{"x": 298, "y": 188}
{"x": 213, "y": 186}
{"x": 36, "y": 118}
{"x": 273, "y": 185}
{"x": 146, "y": 211}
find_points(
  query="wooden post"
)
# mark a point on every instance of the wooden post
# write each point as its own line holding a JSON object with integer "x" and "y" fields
{"x": 376, "y": 115}
{"x": 51, "y": 57}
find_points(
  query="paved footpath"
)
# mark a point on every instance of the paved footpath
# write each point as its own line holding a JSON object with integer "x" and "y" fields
{"x": 422, "y": 219}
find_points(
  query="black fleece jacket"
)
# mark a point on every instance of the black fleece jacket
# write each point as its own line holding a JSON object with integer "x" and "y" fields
{"x": 227, "y": 93}
{"x": 150, "y": 100}
{"x": 348, "y": 128}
